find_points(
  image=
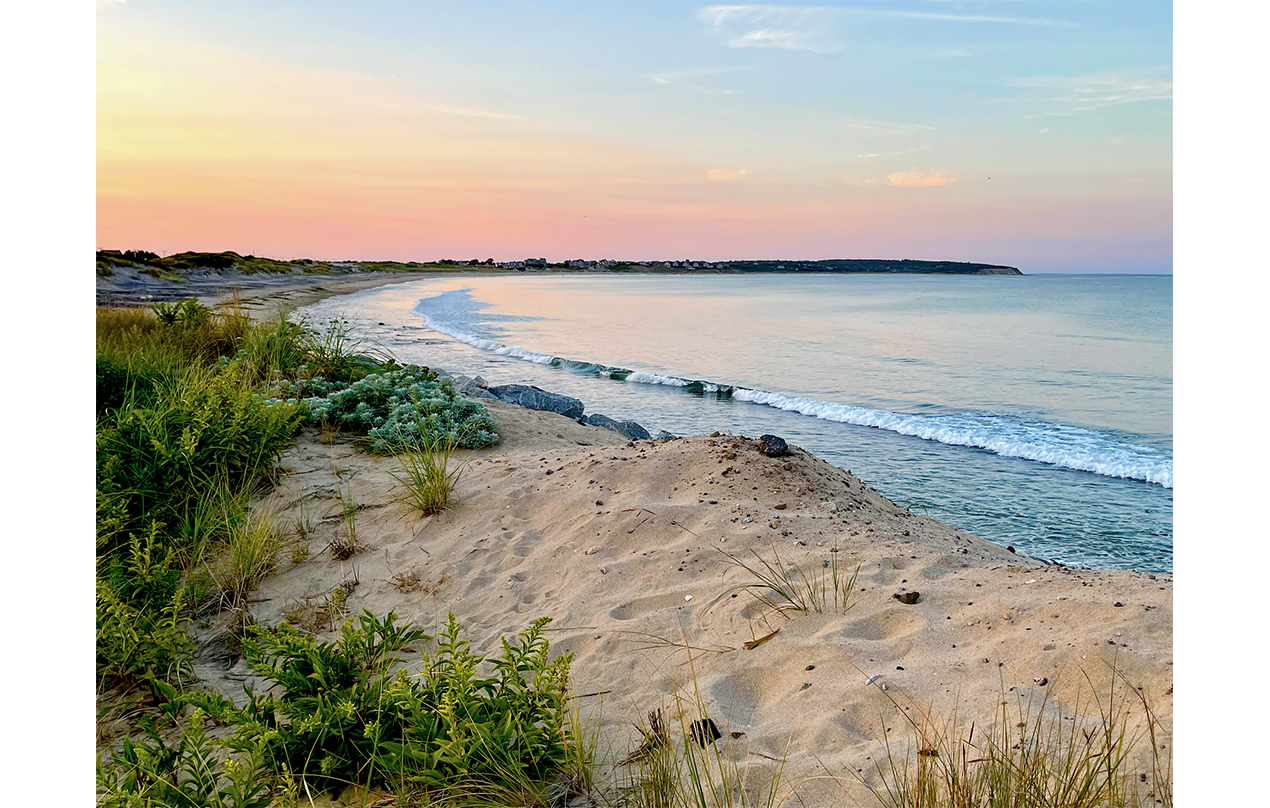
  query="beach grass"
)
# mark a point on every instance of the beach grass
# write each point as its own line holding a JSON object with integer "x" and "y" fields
{"x": 783, "y": 588}
{"x": 426, "y": 480}
{"x": 1102, "y": 750}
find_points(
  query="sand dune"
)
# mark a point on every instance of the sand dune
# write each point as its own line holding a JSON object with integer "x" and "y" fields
{"x": 621, "y": 544}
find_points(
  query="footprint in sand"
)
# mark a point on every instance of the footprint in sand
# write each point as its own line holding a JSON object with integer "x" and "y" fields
{"x": 889, "y": 567}
{"x": 890, "y": 625}
{"x": 737, "y": 695}
{"x": 525, "y": 543}
{"x": 643, "y": 606}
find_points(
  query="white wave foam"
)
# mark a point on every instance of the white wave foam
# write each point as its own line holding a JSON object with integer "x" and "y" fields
{"x": 642, "y": 377}
{"x": 1056, "y": 444}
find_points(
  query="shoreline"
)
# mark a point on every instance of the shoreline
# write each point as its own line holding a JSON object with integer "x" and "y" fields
{"x": 623, "y": 544}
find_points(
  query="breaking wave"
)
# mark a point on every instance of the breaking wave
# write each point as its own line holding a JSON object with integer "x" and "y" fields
{"x": 455, "y": 314}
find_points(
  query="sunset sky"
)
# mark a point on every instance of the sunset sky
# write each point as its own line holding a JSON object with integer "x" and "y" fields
{"x": 1037, "y": 135}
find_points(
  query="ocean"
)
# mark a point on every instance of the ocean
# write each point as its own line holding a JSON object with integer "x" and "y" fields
{"x": 1034, "y": 411}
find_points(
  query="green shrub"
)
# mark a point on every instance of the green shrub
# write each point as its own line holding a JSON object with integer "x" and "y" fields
{"x": 344, "y": 716}
{"x": 157, "y": 461}
{"x": 406, "y": 409}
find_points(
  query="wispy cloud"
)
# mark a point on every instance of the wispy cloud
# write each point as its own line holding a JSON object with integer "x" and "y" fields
{"x": 686, "y": 76}
{"x": 726, "y": 175}
{"x": 787, "y": 27}
{"x": 890, "y": 128}
{"x": 916, "y": 179}
{"x": 696, "y": 80}
{"x": 1088, "y": 93}
{"x": 894, "y": 153}
{"x": 475, "y": 113}
{"x": 934, "y": 15}
{"x": 811, "y": 28}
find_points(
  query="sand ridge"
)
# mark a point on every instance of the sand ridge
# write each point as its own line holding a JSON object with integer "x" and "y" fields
{"x": 621, "y": 542}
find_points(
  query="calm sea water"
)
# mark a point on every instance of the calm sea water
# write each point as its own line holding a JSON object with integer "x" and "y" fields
{"x": 1034, "y": 411}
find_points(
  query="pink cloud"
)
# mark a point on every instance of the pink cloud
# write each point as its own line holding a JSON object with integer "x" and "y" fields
{"x": 916, "y": 179}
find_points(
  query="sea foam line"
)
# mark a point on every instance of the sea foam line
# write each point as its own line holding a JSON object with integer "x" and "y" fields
{"x": 1054, "y": 444}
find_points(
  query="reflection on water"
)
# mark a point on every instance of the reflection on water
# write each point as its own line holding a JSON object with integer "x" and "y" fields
{"x": 1078, "y": 356}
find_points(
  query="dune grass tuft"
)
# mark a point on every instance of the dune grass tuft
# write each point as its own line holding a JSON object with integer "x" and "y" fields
{"x": 782, "y": 588}
{"x": 426, "y": 481}
{"x": 250, "y": 555}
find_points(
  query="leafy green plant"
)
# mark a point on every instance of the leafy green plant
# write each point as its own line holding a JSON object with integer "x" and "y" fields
{"x": 192, "y": 773}
{"x": 348, "y": 715}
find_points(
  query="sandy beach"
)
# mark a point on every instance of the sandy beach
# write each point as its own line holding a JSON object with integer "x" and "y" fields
{"x": 626, "y": 546}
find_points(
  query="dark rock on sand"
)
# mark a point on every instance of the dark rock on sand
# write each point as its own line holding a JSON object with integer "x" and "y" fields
{"x": 627, "y": 429}
{"x": 704, "y": 731}
{"x": 773, "y": 446}
{"x": 535, "y": 398}
{"x": 907, "y": 598}
{"x": 664, "y": 435}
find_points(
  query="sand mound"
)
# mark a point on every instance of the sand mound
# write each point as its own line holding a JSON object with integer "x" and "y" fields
{"x": 621, "y": 544}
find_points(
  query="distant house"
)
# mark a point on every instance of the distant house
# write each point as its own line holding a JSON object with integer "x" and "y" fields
{"x": 536, "y": 262}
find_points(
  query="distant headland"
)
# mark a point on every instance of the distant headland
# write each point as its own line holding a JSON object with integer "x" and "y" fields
{"x": 179, "y": 266}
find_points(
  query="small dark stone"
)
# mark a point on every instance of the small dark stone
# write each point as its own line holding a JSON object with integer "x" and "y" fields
{"x": 550, "y": 472}
{"x": 1117, "y": 603}
{"x": 773, "y": 446}
{"x": 899, "y": 667}
{"x": 811, "y": 667}
{"x": 1010, "y": 548}
{"x": 1043, "y": 681}
{"x": 907, "y": 598}
{"x": 599, "y": 502}
{"x": 805, "y": 686}
{"x": 704, "y": 732}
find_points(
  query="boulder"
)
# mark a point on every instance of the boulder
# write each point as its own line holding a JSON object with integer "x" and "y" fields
{"x": 664, "y": 435}
{"x": 773, "y": 446}
{"x": 628, "y": 429}
{"x": 535, "y": 398}
{"x": 468, "y": 386}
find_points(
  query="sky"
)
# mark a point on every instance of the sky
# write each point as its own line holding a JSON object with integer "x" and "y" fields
{"x": 1037, "y": 135}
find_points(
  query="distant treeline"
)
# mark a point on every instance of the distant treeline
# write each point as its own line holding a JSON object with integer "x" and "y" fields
{"x": 178, "y": 264}
{"x": 870, "y": 265}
